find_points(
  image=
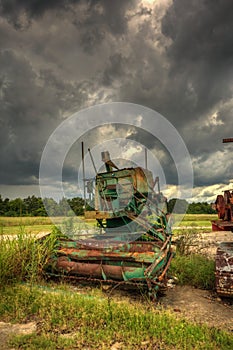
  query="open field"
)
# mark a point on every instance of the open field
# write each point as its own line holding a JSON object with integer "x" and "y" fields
{"x": 196, "y": 220}
{"x": 33, "y": 225}
{"x": 15, "y": 225}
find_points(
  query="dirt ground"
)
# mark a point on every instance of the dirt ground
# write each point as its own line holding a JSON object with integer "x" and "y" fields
{"x": 199, "y": 306}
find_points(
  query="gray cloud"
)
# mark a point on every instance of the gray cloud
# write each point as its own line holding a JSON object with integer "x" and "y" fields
{"x": 58, "y": 57}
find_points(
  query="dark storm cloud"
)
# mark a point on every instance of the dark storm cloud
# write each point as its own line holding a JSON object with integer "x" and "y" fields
{"x": 100, "y": 12}
{"x": 200, "y": 31}
{"x": 61, "y": 56}
{"x": 32, "y": 105}
{"x": 201, "y": 48}
{"x": 201, "y": 51}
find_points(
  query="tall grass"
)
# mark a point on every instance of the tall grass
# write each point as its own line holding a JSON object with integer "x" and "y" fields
{"x": 23, "y": 257}
{"x": 195, "y": 270}
{"x": 191, "y": 268}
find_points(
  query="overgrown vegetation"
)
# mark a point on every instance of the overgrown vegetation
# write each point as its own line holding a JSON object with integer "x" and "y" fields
{"x": 190, "y": 267}
{"x": 194, "y": 270}
{"x": 68, "y": 320}
{"x": 23, "y": 258}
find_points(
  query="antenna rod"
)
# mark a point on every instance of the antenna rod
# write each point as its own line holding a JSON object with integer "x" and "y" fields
{"x": 84, "y": 185}
{"x": 92, "y": 160}
{"x": 145, "y": 158}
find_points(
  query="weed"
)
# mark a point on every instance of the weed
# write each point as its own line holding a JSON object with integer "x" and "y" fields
{"x": 186, "y": 240}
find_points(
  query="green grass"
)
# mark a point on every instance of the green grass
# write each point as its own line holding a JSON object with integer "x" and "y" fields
{"x": 195, "y": 220}
{"x": 15, "y": 225}
{"x": 194, "y": 270}
{"x": 69, "y": 320}
{"x": 26, "y": 220}
{"x": 14, "y": 230}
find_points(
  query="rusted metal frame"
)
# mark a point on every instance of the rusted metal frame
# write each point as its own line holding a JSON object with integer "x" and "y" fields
{"x": 153, "y": 288}
{"x": 150, "y": 270}
{"x": 140, "y": 221}
{"x": 114, "y": 211}
{"x": 168, "y": 240}
{"x": 152, "y": 285}
{"x": 123, "y": 272}
{"x": 105, "y": 200}
{"x": 145, "y": 224}
{"x": 224, "y": 271}
{"x": 122, "y": 216}
{"x": 95, "y": 255}
{"x": 133, "y": 281}
{"x": 161, "y": 277}
{"x": 135, "y": 246}
{"x": 147, "y": 199}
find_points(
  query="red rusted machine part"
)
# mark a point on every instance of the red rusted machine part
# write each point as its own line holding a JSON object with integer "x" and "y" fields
{"x": 224, "y": 255}
{"x": 229, "y": 139}
{"x": 224, "y": 208}
{"x": 224, "y": 269}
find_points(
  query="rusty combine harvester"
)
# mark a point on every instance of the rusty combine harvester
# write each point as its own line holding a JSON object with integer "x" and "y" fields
{"x": 134, "y": 247}
{"x": 224, "y": 255}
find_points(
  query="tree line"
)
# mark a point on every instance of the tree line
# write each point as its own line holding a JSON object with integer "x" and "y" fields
{"x": 35, "y": 206}
{"x": 180, "y": 206}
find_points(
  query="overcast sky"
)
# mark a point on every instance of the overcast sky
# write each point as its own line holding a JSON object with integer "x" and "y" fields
{"x": 59, "y": 56}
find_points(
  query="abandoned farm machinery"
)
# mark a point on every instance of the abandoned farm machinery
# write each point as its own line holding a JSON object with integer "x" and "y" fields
{"x": 132, "y": 241}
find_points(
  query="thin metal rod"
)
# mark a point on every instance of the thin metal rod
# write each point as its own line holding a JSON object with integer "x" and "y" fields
{"x": 145, "y": 158}
{"x": 84, "y": 183}
{"x": 92, "y": 160}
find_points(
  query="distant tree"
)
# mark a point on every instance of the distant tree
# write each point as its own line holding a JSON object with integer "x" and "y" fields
{"x": 15, "y": 207}
{"x": 200, "y": 208}
{"x": 77, "y": 205}
{"x": 64, "y": 207}
{"x": 178, "y": 206}
{"x": 51, "y": 206}
{"x": 2, "y": 207}
{"x": 34, "y": 206}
